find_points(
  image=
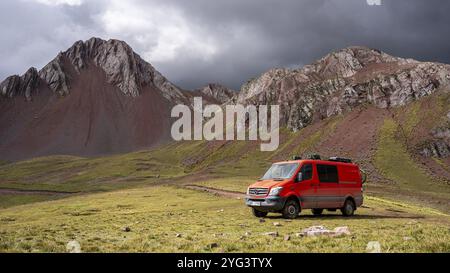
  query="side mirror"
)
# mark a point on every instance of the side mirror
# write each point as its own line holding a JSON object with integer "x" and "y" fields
{"x": 299, "y": 177}
{"x": 363, "y": 176}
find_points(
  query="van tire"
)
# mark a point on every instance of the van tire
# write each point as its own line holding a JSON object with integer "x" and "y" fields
{"x": 349, "y": 208}
{"x": 258, "y": 213}
{"x": 317, "y": 212}
{"x": 291, "y": 209}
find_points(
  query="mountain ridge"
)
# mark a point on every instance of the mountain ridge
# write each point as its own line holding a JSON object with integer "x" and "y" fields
{"x": 101, "y": 97}
{"x": 123, "y": 68}
{"x": 341, "y": 81}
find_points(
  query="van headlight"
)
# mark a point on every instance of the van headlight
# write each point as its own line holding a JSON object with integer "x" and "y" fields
{"x": 275, "y": 191}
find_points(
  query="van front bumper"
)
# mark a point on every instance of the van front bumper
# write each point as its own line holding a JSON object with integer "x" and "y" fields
{"x": 269, "y": 204}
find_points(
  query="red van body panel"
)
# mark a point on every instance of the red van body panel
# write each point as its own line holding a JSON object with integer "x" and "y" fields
{"x": 313, "y": 193}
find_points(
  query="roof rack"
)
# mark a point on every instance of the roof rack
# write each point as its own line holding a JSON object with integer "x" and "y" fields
{"x": 340, "y": 159}
{"x": 314, "y": 157}
{"x": 296, "y": 157}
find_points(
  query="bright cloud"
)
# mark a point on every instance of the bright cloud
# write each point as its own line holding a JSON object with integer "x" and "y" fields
{"x": 162, "y": 31}
{"x": 226, "y": 41}
{"x": 60, "y": 2}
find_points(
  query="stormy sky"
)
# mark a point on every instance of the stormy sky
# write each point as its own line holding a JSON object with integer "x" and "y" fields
{"x": 194, "y": 42}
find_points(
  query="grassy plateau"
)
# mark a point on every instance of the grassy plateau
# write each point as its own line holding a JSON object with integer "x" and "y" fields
{"x": 172, "y": 219}
{"x": 144, "y": 201}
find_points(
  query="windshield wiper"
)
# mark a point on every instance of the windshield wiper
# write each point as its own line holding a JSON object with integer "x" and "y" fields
{"x": 278, "y": 179}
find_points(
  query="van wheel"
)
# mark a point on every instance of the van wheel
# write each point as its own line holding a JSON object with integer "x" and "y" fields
{"x": 291, "y": 209}
{"x": 258, "y": 213}
{"x": 349, "y": 208}
{"x": 317, "y": 212}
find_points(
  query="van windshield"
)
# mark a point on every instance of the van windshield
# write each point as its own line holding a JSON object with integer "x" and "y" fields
{"x": 280, "y": 171}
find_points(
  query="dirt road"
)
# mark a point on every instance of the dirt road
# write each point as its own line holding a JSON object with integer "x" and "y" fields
{"x": 33, "y": 192}
{"x": 223, "y": 193}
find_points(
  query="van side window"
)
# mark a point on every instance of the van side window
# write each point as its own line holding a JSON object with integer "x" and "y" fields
{"x": 327, "y": 174}
{"x": 307, "y": 172}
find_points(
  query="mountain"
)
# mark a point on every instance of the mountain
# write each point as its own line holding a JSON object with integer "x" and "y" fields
{"x": 343, "y": 80}
{"x": 390, "y": 115}
{"x": 218, "y": 93}
{"x": 363, "y": 89}
{"x": 98, "y": 97}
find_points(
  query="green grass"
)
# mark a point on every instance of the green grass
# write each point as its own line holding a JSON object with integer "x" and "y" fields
{"x": 308, "y": 145}
{"x": 244, "y": 158}
{"x": 413, "y": 118}
{"x": 74, "y": 174}
{"x": 233, "y": 165}
{"x": 422, "y": 115}
{"x": 235, "y": 184}
{"x": 155, "y": 215}
{"x": 4, "y": 162}
{"x": 393, "y": 160}
{"x": 229, "y": 162}
{"x": 442, "y": 164}
{"x": 11, "y": 200}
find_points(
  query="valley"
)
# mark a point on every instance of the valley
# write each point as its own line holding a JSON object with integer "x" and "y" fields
{"x": 174, "y": 219}
{"x": 86, "y": 155}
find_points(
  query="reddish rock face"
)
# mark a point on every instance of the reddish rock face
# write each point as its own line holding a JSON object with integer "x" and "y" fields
{"x": 342, "y": 81}
{"x": 99, "y": 97}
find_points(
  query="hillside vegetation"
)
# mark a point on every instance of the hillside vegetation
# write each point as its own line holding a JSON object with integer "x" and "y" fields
{"x": 140, "y": 202}
{"x": 388, "y": 155}
{"x": 171, "y": 219}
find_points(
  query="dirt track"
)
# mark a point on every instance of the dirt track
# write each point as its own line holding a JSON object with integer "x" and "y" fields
{"x": 34, "y": 192}
{"x": 223, "y": 193}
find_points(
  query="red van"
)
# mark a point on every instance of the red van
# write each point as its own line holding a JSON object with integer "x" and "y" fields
{"x": 288, "y": 187}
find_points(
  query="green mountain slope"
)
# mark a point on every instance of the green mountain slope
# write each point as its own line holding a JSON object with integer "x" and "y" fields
{"x": 388, "y": 153}
{"x": 171, "y": 219}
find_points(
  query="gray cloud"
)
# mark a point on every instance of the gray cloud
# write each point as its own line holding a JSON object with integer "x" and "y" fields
{"x": 199, "y": 41}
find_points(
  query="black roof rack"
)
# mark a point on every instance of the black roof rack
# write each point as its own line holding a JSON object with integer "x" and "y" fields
{"x": 340, "y": 159}
{"x": 314, "y": 157}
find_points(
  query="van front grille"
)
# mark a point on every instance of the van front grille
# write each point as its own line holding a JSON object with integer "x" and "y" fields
{"x": 258, "y": 191}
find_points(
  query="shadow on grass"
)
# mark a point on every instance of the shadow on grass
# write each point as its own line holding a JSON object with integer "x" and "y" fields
{"x": 355, "y": 217}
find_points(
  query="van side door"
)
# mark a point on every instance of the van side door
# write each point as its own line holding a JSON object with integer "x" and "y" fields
{"x": 328, "y": 192}
{"x": 304, "y": 189}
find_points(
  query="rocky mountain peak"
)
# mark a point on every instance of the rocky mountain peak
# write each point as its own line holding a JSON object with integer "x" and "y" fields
{"x": 99, "y": 119}
{"x": 348, "y": 61}
{"x": 123, "y": 68}
{"x": 336, "y": 83}
{"x": 335, "y": 66}
{"x": 218, "y": 92}
{"x": 341, "y": 81}
{"x": 21, "y": 85}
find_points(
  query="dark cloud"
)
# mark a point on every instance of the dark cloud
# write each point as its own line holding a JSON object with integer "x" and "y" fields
{"x": 199, "y": 41}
